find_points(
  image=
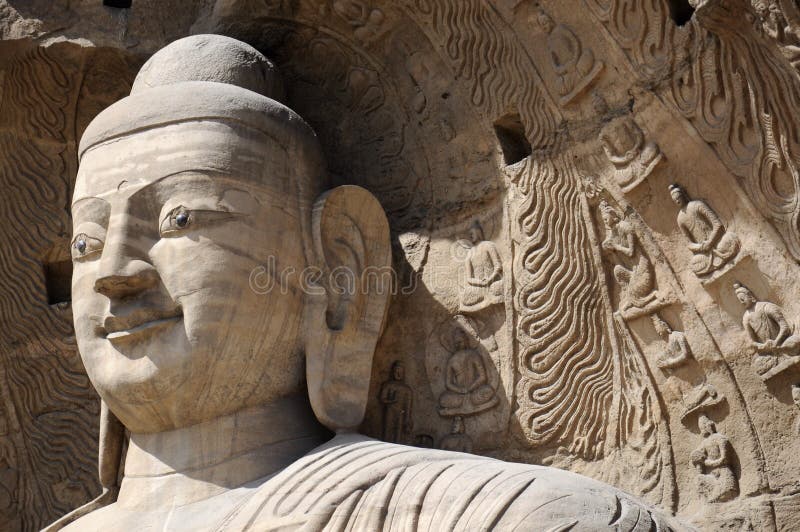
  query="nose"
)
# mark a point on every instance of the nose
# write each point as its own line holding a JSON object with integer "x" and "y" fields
{"x": 125, "y": 269}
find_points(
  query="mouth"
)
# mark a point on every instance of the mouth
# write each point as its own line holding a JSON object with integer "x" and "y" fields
{"x": 120, "y": 328}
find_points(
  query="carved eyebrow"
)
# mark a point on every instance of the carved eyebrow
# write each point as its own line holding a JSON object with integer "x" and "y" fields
{"x": 77, "y": 203}
{"x": 184, "y": 179}
{"x": 91, "y": 207}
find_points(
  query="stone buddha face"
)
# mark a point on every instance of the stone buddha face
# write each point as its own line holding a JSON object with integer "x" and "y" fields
{"x": 661, "y": 327}
{"x": 707, "y": 427}
{"x": 398, "y": 371}
{"x": 678, "y": 195}
{"x": 744, "y": 295}
{"x": 169, "y": 224}
{"x": 476, "y": 233}
{"x": 192, "y": 192}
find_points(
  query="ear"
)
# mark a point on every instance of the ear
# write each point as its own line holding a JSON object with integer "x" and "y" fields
{"x": 346, "y": 306}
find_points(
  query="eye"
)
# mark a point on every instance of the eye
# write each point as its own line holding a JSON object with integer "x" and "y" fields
{"x": 84, "y": 246}
{"x": 177, "y": 219}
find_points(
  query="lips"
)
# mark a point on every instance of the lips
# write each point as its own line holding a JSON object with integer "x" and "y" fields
{"x": 138, "y": 323}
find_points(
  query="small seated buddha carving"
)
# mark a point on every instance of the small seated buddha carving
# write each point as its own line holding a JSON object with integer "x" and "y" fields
{"x": 713, "y": 460}
{"x": 624, "y": 143}
{"x": 771, "y": 335}
{"x": 185, "y": 188}
{"x": 574, "y": 65}
{"x": 677, "y": 350}
{"x": 484, "y": 269}
{"x": 712, "y": 245}
{"x": 466, "y": 379}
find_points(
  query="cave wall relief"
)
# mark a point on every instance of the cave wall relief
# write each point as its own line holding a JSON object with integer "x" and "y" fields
{"x": 594, "y": 216}
{"x": 48, "y": 411}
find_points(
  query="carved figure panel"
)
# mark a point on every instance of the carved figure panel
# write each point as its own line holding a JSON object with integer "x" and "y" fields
{"x": 398, "y": 400}
{"x": 776, "y": 346}
{"x": 462, "y": 372}
{"x": 713, "y": 459}
{"x": 483, "y": 285}
{"x": 712, "y": 245}
{"x": 623, "y": 141}
{"x": 574, "y": 64}
{"x": 634, "y": 271}
{"x": 676, "y": 349}
{"x": 457, "y": 440}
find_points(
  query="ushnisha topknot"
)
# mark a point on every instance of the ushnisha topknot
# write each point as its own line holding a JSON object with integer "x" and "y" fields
{"x": 205, "y": 77}
{"x": 211, "y": 58}
{"x": 740, "y": 288}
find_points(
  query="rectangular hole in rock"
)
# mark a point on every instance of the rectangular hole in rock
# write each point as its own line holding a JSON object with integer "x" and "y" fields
{"x": 58, "y": 279}
{"x": 681, "y": 11}
{"x": 511, "y": 135}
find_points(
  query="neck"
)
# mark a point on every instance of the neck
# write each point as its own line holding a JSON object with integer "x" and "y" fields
{"x": 177, "y": 467}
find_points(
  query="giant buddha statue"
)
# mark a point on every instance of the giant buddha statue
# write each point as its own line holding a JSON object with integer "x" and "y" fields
{"x": 187, "y": 187}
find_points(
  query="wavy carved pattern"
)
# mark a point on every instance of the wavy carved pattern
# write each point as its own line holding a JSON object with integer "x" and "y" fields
{"x": 643, "y": 463}
{"x": 500, "y": 73}
{"x": 564, "y": 357}
{"x": 733, "y": 85}
{"x": 566, "y": 361}
{"x": 566, "y": 369}
{"x": 55, "y": 406}
{"x": 60, "y": 427}
{"x": 572, "y": 351}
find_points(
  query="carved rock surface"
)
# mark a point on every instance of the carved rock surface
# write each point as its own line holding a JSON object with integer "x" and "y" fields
{"x": 593, "y": 339}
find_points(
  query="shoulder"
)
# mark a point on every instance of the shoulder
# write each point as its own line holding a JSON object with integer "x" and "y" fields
{"x": 359, "y": 483}
{"x": 106, "y": 518}
{"x": 767, "y": 307}
{"x": 696, "y": 205}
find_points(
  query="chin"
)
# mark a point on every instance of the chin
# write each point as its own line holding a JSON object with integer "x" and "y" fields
{"x": 144, "y": 370}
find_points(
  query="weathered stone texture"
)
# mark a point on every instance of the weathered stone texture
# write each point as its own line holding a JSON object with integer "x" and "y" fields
{"x": 556, "y": 301}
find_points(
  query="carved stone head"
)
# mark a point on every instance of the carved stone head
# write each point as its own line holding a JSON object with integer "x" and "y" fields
{"x": 706, "y": 426}
{"x": 678, "y": 195}
{"x": 398, "y": 371}
{"x": 662, "y": 327}
{"x": 610, "y": 215}
{"x": 744, "y": 294}
{"x": 188, "y": 189}
{"x": 476, "y": 232}
{"x": 545, "y": 21}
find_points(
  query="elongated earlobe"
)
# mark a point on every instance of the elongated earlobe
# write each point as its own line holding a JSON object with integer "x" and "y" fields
{"x": 345, "y": 311}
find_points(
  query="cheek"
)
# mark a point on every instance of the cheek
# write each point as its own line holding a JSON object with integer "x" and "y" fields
{"x": 198, "y": 263}
{"x": 212, "y": 277}
{"x": 87, "y": 305}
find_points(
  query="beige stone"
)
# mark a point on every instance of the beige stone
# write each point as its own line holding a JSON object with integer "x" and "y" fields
{"x": 172, "y": 210}
{"x": 553, "y": 299}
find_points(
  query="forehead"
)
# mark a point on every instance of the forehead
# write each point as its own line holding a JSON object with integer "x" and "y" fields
{"x": 209, "y": 147}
